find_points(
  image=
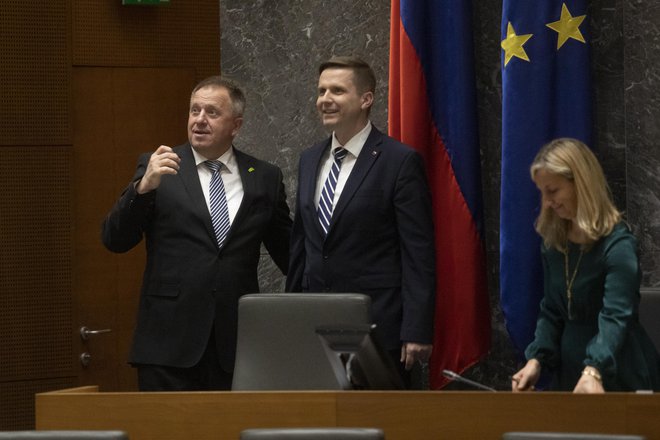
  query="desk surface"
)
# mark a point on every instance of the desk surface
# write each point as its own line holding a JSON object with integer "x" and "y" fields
{"x": 401, "y": 414}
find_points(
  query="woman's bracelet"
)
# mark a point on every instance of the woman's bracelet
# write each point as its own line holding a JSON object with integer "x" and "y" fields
{"x": 591, "y": 371}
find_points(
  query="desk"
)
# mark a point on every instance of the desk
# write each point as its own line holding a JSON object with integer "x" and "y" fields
{"x": 403, "y": 415}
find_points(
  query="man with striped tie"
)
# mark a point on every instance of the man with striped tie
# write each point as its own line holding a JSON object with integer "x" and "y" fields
{"x": 363, "y": 219}
{"x": 204, "y": 209}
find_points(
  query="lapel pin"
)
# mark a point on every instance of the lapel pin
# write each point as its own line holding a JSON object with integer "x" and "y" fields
{"x": 374, "y": 152}
{"x": 250, "y": 169}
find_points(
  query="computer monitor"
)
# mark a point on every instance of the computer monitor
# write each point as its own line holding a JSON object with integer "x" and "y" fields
{"x": 358, "y": 359}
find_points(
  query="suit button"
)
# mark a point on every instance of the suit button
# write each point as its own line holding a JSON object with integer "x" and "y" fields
{"x": 325, "y": 257}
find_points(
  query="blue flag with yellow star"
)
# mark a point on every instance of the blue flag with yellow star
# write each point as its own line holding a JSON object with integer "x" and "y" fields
{"x": 545, "y": 95}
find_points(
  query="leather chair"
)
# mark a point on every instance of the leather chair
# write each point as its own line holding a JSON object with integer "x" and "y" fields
{"x": 313, "y": 434}
{"x": 63, "y": 435}
{"x": 567, "y": 436}
{"x": 277, "y": 345}
{"x": 649, "y": 311}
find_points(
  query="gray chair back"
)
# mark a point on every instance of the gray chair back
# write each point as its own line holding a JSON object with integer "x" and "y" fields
{"x": 277, "y": 346}
{"x": 567, "y": 436}
{"x": 649, "y": 313}
{"x": 313, "y": 434}
{"x": 63, "y": 435}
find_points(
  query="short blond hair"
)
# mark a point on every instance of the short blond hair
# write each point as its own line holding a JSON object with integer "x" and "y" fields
{"x": 596, "y": 213}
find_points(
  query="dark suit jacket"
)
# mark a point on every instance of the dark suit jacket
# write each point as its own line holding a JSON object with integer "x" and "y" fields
{"x": 380, "y": 240}
{"x": 188, "y": 282}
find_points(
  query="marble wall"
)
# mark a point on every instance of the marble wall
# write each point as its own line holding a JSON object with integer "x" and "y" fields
{"x": 274, "y": 48}
{"x": 641, "y": 84}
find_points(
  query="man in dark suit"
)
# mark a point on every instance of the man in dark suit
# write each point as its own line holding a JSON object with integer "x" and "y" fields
{"x": 363, "y": 219}
{"x": 203, "y": 224}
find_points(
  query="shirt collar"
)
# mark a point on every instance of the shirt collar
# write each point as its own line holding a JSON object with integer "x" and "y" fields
{"x": 354, "y": 144}
{"x": 228, "y": 158}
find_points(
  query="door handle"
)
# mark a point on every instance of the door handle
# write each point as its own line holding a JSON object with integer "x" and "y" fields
{"x": 85, "y": 333}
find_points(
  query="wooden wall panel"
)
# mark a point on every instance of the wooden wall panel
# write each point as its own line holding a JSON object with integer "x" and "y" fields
{"x": 17, "y": 401}
{"x": 35, "y": 263}
{"x": 35, "y": 279}
{"x": 45, "y": 193}
{"x": 35, "y": 71}
{"x": 182, "y": 34}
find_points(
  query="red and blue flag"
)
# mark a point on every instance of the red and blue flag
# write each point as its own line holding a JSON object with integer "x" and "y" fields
{"x": 432, "y": 107}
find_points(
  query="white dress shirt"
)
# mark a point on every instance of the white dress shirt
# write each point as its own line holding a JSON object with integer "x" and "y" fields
{"x": 353, "y": 146}
{"x": 231, "y": 179}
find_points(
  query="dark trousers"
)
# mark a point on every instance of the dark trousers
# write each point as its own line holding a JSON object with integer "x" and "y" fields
{"x": 395, "y": 355}
{"x": 207, "y": 375}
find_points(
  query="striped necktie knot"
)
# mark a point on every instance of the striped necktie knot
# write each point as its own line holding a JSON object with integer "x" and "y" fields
{"x": 213, "y": 165}
{"x": 340, "y": 153}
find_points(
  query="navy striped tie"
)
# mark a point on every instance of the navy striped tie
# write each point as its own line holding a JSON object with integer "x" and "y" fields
{"x": 328, "y": 193}
{"x": 218, "y": 202}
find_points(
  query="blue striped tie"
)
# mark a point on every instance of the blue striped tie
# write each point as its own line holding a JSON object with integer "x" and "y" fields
{"x": 218, "y": 202}
{"x": 328, "y": 193}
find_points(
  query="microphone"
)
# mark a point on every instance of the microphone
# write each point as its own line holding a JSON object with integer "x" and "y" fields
{"x": 457, "y": 377}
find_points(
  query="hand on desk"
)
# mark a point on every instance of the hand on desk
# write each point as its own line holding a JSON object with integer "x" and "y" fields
{"x": 590, "y": 382}
{"x": 526, "y": 378}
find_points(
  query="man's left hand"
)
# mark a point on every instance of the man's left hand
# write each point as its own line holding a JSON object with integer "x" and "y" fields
{"x": 412, "y": 352}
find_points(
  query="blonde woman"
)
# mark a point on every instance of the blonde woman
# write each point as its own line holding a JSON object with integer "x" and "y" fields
{"x": 588, "y": 333}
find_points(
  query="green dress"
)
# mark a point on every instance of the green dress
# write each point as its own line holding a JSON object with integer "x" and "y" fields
{"x": 603, "y": 329}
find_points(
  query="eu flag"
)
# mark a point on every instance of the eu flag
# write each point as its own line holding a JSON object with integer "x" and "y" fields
{"x": 545, "y": 95}
{"x": 432, "y": 107}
